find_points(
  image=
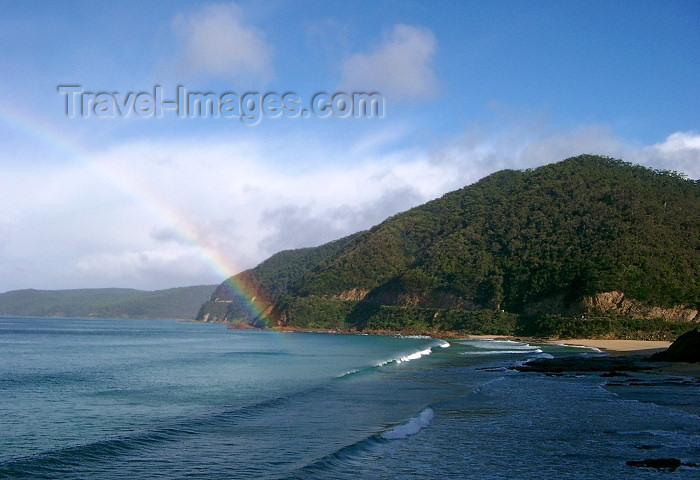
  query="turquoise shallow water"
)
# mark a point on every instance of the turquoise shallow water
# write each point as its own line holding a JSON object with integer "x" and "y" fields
{"x": 104, "y": 398}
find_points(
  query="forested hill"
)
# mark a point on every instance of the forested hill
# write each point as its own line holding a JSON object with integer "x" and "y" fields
{"x": 533, "y": 243}
{"x": 176, "y": 303}
{"x": 267, "y": 282}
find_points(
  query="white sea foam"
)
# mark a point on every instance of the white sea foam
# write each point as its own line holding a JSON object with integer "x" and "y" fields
{"x": 532, "y": 357}
{"x": 502, "y": 352}
{"x": 580, "y": 346}
{"x": 407, "y": 358}
{"x": 489, "y": 344}
{"x": 415, "y": 355}
{"x": 413, "y": 426}
{"x": 506, "y": 345}
{"x": 349, "y": 372}
{"x": 498, "y": 347}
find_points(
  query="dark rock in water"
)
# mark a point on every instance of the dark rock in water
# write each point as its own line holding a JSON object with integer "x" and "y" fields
{"x": 584, "y": 364}
{"x": 654, "y": 382}
{"x": 614, "y": 373}
{"x": 670, "y": 464}
{"x": 686, "y": 348}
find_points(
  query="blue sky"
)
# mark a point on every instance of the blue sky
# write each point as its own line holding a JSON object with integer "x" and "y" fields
{"x": 469, "y": 88}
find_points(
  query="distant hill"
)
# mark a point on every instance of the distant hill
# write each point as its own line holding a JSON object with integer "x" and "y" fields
{"x": 267, "y": 282}
{"x": 178, "y": 303}
{"x": 587, "y": 246}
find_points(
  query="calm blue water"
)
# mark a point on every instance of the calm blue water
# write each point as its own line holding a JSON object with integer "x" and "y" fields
{"x": 133, "y": 399}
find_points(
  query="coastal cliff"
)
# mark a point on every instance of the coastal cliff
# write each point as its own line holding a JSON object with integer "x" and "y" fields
{"x": 589, "y": 244}
{"x": 617, "y": 302}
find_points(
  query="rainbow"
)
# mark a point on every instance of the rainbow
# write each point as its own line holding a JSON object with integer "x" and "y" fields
{"x": 129, "y": 184}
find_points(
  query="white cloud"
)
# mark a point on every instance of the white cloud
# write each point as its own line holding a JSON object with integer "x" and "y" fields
{"x": 216, "y": 43}
{"x": 400, "y": 67}
{"x": 680, "y": 142}
{"x": 150, "y": 266}
{"x": 231, "y": 197}
{"x": 475, "y": 155}
{"x": 594, "y": 139}
{"x": 680, "y": 152}
{"x": 145, "y": 214}
{"x": 302, "y": 226}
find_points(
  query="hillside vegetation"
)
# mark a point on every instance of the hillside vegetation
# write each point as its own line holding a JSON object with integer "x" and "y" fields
{"x": 541, "y": 251}
{"x": 266, "y": 283}
{"x": 177, "y": 303}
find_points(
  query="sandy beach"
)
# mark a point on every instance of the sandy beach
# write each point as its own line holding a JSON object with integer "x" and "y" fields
{"x": 621, "y": 347}
{"x": 640, "y": 347}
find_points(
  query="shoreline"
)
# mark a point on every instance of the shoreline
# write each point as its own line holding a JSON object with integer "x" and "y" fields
{"x": 612, "y": 346}
{"x": 616, "y": 347}
{"x": 639, "y": 349}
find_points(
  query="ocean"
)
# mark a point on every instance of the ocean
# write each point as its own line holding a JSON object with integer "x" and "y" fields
{"x": 137, "y": 399}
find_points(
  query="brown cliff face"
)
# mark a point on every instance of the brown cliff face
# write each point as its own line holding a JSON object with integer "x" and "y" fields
{"x": 613, "y": 302}
{"x": 616, "y": 302}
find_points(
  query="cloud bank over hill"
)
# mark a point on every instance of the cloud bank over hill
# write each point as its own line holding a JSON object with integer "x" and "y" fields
{"x": 169, "y": 201}
{"x": 238, "y": 202}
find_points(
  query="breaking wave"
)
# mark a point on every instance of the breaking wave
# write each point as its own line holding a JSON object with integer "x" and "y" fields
{"x": 567, "y": 345}
{"x": 356, "y": 452}
{"x": 413, "y": 426}
{"x": 400, "y": 359}
{"x": 406, "y": 358}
